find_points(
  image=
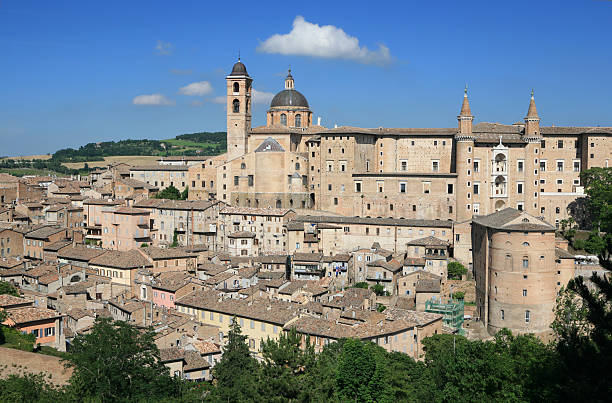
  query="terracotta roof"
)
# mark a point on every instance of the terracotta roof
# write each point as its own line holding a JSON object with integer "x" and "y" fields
{"x": 171, "y": 354}
{"x": 56, "y": 246}
{"x": 427, "y": 285}
{"x": 31, "y": 314}
{"x": 404, "y": 222}
{"x": 9, "y": 263}
{"x": 136, "y": 184}
{"x": 428, "y": 241}
{"x": 307, "y": 257}
{"x": 100, "y": 202}
{"x": 79, "y": 252}
{"x": 131, "y": 259}
{"x": 196, "y": 205}
{"x": 465, "y": 106}
{"x": 392, "y": 265}
{"x": 242, "y": 234}
{"x": 271, "y": 259}
{"x": 248, "y": 272}
{"x": 77, "y": 313}
{"x": 414, "y": 261}
{"x": 510, "y": 219}
{"x": 9, "y": 300}
{"x": 206, "y": 347}
{"x": 172, "y": 281}
{"x": 160, "y": 167}
{"x": 563, "y": 254}
{"x": 130, "y": 211}
{"x": 255, "y": 211}
{"x": 194, "y": 361}
{"x": 264, "y": 310}
{"x": 269, "y": 145}
{"x": 156, "y": 253}
{"x": 44, "y": 232}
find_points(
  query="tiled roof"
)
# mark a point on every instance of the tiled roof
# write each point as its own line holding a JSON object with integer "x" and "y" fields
{"x": 427, "y": 285}
{"x": 79, "y": 252}
{"x": 255, "y": 211}
{"x": 136, "y": 184}
{"x": 56, "y": 246}
{"x": 172, "y": 281}
{"x": 269, "y": 145}
{"x": 194, "y": 361}
{"x": 77, "y": 313}
{"x": 31, "y": 314}
{"x": 100, "y": 202}
{"x": 131, "y": 259}
{"x": 160, "y": 167}
{"x": 196, "y": 205}
{"x": 156, "y": 253}
{"x": 44, "y": 232}
{"x": 307, "y": 257}
{"x": 9, "y": 300}
{"x": 247, "y": 272}
{"x": 171, "y": 354}
{"x": 206, "y": 347}
{"x": 414, "y": 261}
{"x": 428, "y": 241}
{"x": 276, "y": 312}
{"x": 404, "y": 222}
{"x": 9, "y": 263}
{"x": 130, "y": 211}
{"x": 392, "y": 265}
{"x": 383, "y": 131}
{"x": 507, "y": 219}
{"x": 563, "y": 254}
{"x": 271, "y": 259}
{"x": 241, "y": 234}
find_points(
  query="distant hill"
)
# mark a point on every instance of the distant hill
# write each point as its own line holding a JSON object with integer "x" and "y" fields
{"x": 202, "y": 143}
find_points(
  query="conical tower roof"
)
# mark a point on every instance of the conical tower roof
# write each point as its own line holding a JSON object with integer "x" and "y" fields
{"x": 465, "y": 107}
{"x": 532, "y": 112}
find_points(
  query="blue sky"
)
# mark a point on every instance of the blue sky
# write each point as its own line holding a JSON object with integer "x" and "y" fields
{"x": 75, "y": 72}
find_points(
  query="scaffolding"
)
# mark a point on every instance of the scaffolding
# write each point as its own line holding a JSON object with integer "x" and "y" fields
{"x": 452, "y": 312}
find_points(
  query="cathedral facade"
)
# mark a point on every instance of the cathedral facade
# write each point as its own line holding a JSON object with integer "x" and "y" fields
{"x": 423, "y": 173}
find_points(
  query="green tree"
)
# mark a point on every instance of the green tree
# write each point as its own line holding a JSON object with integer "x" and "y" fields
{"x": 456, "y": 270}
{"x": 185, "y": 193}
{"x": 362, "y": 284}
{"x": 115, "y": 361}
{"x": 583, "y": 329}
{"x": 170, "y": 192}
{"x": 8, "y": 288}
{"x": 29, "y": 388}
{"x": 236, "y": 374}
{"x": 459, "y": 295}
{"x": 284, "y": 367}
{"x": 378, "y": 289}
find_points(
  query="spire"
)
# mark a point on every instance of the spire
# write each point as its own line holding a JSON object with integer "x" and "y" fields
{"x": 532, "y": 112}
{"x": 465, "y": 107}
{"x": 289, "y": 84}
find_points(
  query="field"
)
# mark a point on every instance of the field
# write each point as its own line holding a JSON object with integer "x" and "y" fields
{"x": 132, "y": 160}
{"x": 29, "y": 157}
{"x": 30, "y": 172}
{"x": 179, "y": 146}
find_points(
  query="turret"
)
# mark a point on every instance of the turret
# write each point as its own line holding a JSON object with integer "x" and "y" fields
{"x": 465, "y": 160}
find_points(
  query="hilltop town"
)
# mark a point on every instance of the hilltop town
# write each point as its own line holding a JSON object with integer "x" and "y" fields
{"x": 388, "y": 235}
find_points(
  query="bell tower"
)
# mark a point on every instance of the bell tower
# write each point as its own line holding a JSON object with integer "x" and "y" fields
{"x": 238, "y": 110}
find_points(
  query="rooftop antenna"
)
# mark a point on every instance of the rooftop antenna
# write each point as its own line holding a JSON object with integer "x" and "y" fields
{"x": 238, "y": 54}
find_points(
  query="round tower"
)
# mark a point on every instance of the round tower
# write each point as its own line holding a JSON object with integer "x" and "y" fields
{"x": 464, "y": 140}
{"x": 533, "y": 140}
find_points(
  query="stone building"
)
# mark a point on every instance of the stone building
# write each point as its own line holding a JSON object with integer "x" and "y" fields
{"x": 518, "y": 271}
{"x": 411, "y": 173}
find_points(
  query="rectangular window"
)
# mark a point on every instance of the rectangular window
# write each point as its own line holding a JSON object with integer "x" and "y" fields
{"x": 404, "y": 165}
{"x": 449, "y": 188}
{"x": 559, "y": 143}
{"x": 576, "y": 166}
{"x": 520, "y": 166}
{"x": 476, "y": 165}
{"x": 527, "y": 316}
{"x": 476, "y": 208}
{"x": 426, "y": 187}
{"x": 519, "y": 188}
{"x": 435, "y": 166}
{"x": 560, "y": 166}
{"x": 402, "y": 187}
{"x": 358, "y": 187}
{"x": 524, "y": 293}
{"x": 476, "y": 188}
{"x": 542, "y": 165}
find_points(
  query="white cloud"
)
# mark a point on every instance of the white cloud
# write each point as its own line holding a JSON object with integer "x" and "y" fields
{"x": 219, "y": 100}
{"x": 164, "y": 48}
{"x": 261, "y": 97}
{"x": 327, "y": 41}
{"x": 152, "y": 99}
{"x": 199, "y": 88}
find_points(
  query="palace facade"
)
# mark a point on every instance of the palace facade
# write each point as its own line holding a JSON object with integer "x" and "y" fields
{"x": 414, "y": 173}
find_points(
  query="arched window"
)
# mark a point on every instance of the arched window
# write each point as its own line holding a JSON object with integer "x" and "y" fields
{"x": 283, "y": 119}
{"x": 525, "y": 262}
{"x": 236, "y": 104}
{"x": 297, "y": 166}
{"x": 278, "y": 204}
{"x": 236, "y": 87}
{"x": 525, "y": 243}
{"x": 557, "y": 210}
{"x": 291, "y": 202}
{"x": 271, "y": 118}
{"x": 242, "y": 166}
{"x": 298, "y": 120}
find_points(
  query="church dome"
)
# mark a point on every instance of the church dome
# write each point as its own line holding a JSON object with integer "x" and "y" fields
{"x": 289, "y": 97}
{"x": 239, "y": 69}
